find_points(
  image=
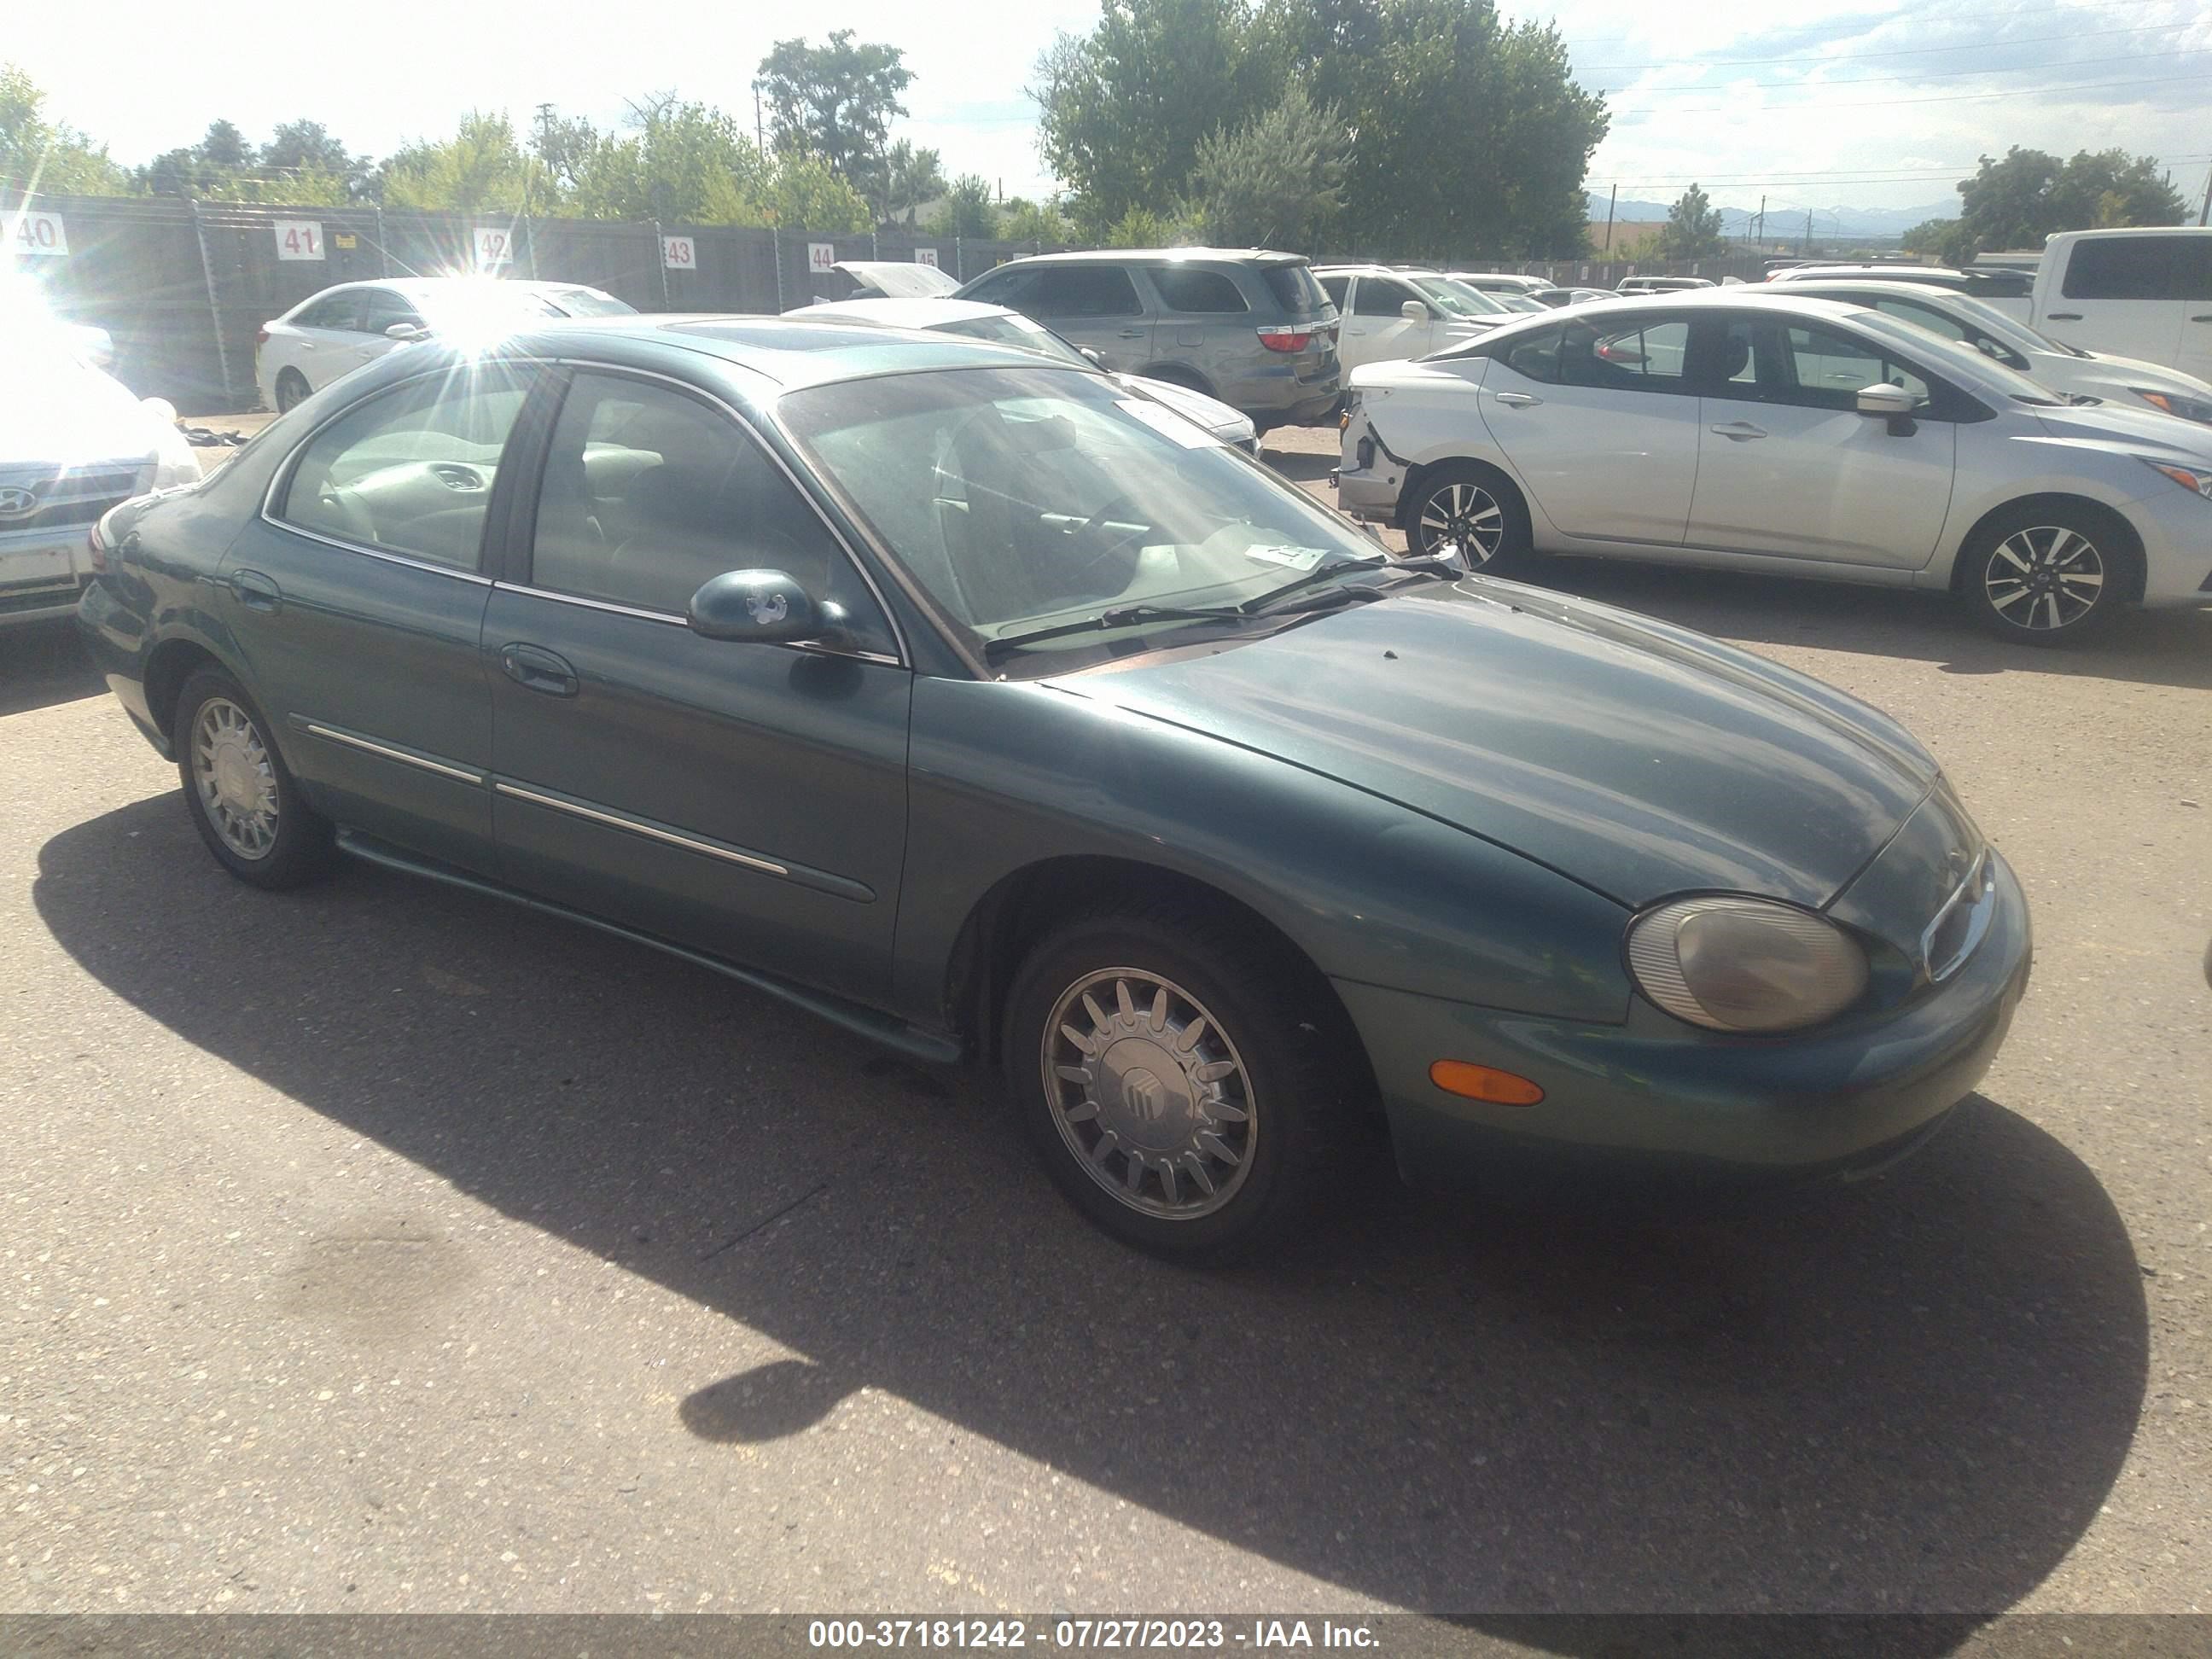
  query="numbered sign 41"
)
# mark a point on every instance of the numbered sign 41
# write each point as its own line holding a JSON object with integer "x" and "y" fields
{"x": 679, "y": 253}
{"x": 493, "y": 247}
{"x": 821, "y": 256}
{"x": 40, "y": 234}
{"x": 299, "y": 239}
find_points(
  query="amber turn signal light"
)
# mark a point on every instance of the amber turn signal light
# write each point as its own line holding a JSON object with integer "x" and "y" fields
{"x": 1463, "y": 1076}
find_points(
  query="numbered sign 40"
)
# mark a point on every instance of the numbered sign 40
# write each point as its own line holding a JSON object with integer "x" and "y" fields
{"x": 41, "y": 233}
{"x": 493, "y": 247}
{"x": 679, "y": 253}
{"x": 299, "y": 239}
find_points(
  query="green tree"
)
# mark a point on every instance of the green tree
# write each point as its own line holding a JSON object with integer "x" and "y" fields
{"x": 2105, "y": 188}
{"x": 1947, "y": 240}
{"x": 2017, "y": 202}
{"x": 807, "y": 193}
{"x": 2007, "y": 204}
{"x": 566, "y": 144}
{"x": 1692, "y": 230}
{"x": 686, "y": 163}
{"x": 1141, "y": 227}
{"x": 836, "y": 102}
{"x": 910, "y": 177}
{"x": 967, "y": 212}
{"x": 481, "y": 168}
{"x": 47, "y": 157}
{"x": 306, "y": 148}
{"x": 1023, "y": 220}
{"x": 1278, "y": 180}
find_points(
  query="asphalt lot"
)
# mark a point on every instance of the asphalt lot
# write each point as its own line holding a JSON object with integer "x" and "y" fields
{"x": 376, "y": 1248}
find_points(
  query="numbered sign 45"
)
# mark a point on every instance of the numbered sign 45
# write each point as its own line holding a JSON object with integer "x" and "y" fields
{"x": 821, "y": 256}
{"x": 495, "y": 247}
{"x": 926, "y": 256}
{"x": 679, "y": 253}
{"x": 299, "y": 239}
{"x": 40, "y": 234}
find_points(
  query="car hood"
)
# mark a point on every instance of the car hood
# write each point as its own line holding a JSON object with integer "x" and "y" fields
{"x": 2135, "y": 427}
{"x": 1214, "y": 416}
{"x": 75, "y": 420}
{"x": 1639, "y": 759}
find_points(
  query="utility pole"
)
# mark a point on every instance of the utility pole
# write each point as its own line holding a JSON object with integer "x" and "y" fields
{"x": 759, "y": 142}
{"x": 1809, "y": 233}
{"x": 2205, "y": 212}
{"x": 1760, "y": 235}
{"x": 1609, "y": 203}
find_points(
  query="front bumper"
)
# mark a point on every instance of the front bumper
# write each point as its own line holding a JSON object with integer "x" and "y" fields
{"x": 1655, "y": 1099}
{"x": 2176, "y": 528}
{"x": 42, "y": 574}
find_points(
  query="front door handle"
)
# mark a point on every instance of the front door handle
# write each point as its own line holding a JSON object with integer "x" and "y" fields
{"x": 257, "y": 592}
{"x": 536, "y": 669}
{"x": 1516, "y": 399}
{"x": 2201, "y": 317}
{"x": 1740, "y": 431}
{"x": 1132, "y": 334}
{"x": 2062, "y": 317}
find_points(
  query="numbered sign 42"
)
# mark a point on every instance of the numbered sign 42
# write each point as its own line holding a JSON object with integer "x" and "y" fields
{"x": 679, "y": 253}
{"x": 495, "y": 247}
{"x": 926, "y": 256}
{"x": 299, "y": 239}
{"x": 40, "y": 234}
{"x": 821, "y": 256}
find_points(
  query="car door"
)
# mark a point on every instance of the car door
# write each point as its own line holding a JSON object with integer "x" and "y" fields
{"x": 1094, "y": 306}
{"x": 2123, "y": 295}
{"x": 324, "y": 339}
{"x": 356, "y": 600}
{"x": 1199, "y": 318}
{"x": 746, "y": 800}
{"x": 382, "y": 308}
{"x": 1376, "y": 330}
{"x": 1601, "y": 422}
{"x": 1787, "y": 466}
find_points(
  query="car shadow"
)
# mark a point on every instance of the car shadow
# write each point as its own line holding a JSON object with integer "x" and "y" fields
{"x": 43, "y": 664}
{"x": 1911, "y": 1395}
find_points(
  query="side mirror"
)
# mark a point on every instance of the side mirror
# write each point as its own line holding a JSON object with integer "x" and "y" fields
{"x": 1891, "y": 401}
{"x": 407, "y": 331}
{"x": 1413, "y": 311}
{"x": 766, "y": 607}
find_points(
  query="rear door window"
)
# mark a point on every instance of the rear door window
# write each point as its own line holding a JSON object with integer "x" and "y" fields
{"x": 1649, "y": 355}
{"x": 337, "y": 311}
{"x": 384, "y": 309}
{"x": 1190, "y": 289}
{"x": 1533, "y": 357}
{"x": 1085, "y": 291}
{"x": 1338, "y": 289}
{"x": 2122, "y": 267}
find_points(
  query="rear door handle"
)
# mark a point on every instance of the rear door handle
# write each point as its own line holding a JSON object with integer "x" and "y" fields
{"x": 1740, "y": 430}
{"x": 536, "y": 669}
{"x": 2066, "y": 317}
{"x": 2201, "y": 317}
{"x": 257, "y": 592}
{"x": 1132, "y": 334}
{"x": 1516, "y": 399}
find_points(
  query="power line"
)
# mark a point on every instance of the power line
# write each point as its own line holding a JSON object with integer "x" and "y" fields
{"x": 1891, "y": 103}
{"x": 1905, "y": 14}
{"x": 1898, "y": 52}
{"x": 1937, "y": 74}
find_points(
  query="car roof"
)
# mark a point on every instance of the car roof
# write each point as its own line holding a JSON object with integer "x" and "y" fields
{"x": 2134, "y": 230}
{"x": 1372, "y": 270}
{"x": 421, "y": 285}
{"x": 1160, "y": 256}
{"x": 897, "y": 312}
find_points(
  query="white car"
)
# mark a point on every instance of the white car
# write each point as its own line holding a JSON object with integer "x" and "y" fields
{"x": 1663, "y": 284}
{"x": 2063, "y": 368}
{"x": 895, "y": 279}
{"x": 1995, "y": 285}
{"x": 336, "y": 331}
{"x": 73, "y": 443}
{"x": 1758, "y": 430}
{"x": 2146, "y": 294}
{"x": 978, "y": 321}
{"x": 1388, "y": 313}
{"x": 1500, "y": 281}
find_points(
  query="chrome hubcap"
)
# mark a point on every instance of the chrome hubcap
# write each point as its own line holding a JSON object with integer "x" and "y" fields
{"x": 1465, "y": 520}
{"x": 2046, "y": 578}
{"x": 237, "y": 782}
{"x": 1149, "y": 1093}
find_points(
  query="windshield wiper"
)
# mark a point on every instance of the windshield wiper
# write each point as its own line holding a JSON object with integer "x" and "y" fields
{"x": 1321, "y": 572}
{"x": 1120, "y": 616}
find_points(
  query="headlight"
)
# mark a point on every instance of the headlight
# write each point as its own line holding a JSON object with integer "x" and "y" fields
{"x": 2188, "y": 477}
{"x": 1745, "y": 964}
{"x": 2175, "y": 403}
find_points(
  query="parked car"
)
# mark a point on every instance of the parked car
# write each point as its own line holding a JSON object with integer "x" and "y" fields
{"x": 1388, "y": 313}
{"x": 894, "y": 279}
{"x": 1249, "y": 327}
{"x": 1553, "y": 298}
{"x": 73, "y": 443}
{"x": 336, "y": 330}
{"x": 1500, "y": 284}
{"x": 1662, "y": 284}
{"x": 1758, "y": 430}
{"x": 940, "y": 691}
{"x": 2141, "y": 294}
{"x": 967, "y": 320}
{"x": 2064, "y": 369}
{"x": 2006, "y": 289}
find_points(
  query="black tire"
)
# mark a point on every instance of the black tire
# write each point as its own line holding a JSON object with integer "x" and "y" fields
{"x": 299, "y": 845}
{"x": 292, "y": 390}
{"x": 1292, "y": 1073}
{"x": 1468, "y": 505}
{"x": 2048, "y": 575}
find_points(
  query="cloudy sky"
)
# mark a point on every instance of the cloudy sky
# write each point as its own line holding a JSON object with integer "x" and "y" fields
{"x": 1815, "y": 104}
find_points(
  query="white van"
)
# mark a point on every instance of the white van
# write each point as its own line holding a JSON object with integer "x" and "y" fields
{"x": 2144, "y": 293}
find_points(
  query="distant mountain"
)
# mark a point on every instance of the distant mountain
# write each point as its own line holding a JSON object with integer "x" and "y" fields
{"x": 1782, "y": 221}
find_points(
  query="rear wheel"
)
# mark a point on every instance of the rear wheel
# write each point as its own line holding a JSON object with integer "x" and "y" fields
{"x": 244, "y": 802}
{"x": 1467, "y": 511}
{"x": 2045, "y": 575}
{"x": 291, "y": 389}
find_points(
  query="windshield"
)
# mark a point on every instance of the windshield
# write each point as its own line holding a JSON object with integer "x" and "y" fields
{"x": 1018, "y": 331}
{"x": 1032, "y": 499}
{"x": 1457, "y": 298}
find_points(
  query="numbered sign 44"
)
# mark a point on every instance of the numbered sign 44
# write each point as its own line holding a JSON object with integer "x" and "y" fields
{"x": 40, "y": 234}
{"x": 299, "y": 239}
{"x": 821, "y": 256}
{"x": 679, "y": 253}
{"x": 495, "y": 247}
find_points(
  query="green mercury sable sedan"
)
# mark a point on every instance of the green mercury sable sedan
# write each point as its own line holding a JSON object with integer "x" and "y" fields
{"x": 987, "y": 708}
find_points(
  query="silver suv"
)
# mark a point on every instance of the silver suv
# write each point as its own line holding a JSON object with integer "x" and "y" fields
{"x": 1250, "y": 328}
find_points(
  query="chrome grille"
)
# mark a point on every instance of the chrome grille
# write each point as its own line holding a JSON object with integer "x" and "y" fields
{"x": 77, "y": 496}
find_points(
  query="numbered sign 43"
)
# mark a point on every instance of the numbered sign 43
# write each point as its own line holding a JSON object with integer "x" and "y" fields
{"x": 679, "y": 253}
{"x": 495, "y": 247}
{"x": 39, "y": 233}
{"x": 299, "y": 239}
{"x": 821, "y": 256}
{"x": 926, "y": 256}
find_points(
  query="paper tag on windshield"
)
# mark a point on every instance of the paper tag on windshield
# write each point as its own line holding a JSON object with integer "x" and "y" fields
{"x": 1298, "y": 558}
{"x": 1168, "y": 424}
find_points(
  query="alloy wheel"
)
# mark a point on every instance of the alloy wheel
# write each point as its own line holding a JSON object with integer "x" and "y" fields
{"x": 235, "y": 778}
{"x": 1465, "y": 520}
{"x": 2044, "y": 578}
{"x": 1149, "y": 1093}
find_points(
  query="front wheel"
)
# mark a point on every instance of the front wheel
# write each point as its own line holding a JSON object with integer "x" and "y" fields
{"x": 2044, "y": 575}
{"x": 1184, "y": 1090}
{"x": 243, "y": 800}
{"x": 1469, "y": 513}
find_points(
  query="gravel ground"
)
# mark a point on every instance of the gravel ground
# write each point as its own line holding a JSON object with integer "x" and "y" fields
{"x": 375, "y": 1248}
